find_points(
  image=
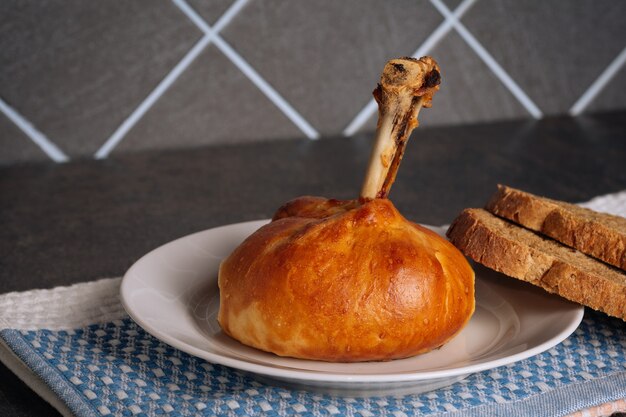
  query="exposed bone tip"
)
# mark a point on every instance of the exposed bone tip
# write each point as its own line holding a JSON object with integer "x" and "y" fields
{"x": 406, "y": 85}
{"x": 421, "y": 77}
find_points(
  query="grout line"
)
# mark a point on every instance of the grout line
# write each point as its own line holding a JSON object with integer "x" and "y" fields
{"x": 598, "y": 85}
{"x": 52, "y": 150}
{"x": 251, "y": 73}
{"x": 149, "y": 101}
{"x": 172, "y": 76}
{"x": 499, "y": 72}
{"x": 193, "y": 16}
{"x": 361, "y": 118}
{"x": 267, "y": 89}
{"x": 228, "y": 16}
{"x": 221, "y": 23}
{"x": 442, "y": 30}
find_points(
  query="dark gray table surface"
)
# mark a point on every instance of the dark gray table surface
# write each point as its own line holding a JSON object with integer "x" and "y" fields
{"x": 88, "y": 219}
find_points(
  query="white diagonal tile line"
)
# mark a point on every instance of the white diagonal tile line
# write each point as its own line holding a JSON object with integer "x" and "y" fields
{"x": 599, "y": 84}
{"x": 499, "y": 72}
{"x": 35, "y": 135}
{"x": 267, "y": 89}
{"x": 169, "y": 79}
{"x": 149, "y": 101}
{"x": 221, "y": 23}
{"x": 252, "y": 74}
{"x": 442, "y": 30}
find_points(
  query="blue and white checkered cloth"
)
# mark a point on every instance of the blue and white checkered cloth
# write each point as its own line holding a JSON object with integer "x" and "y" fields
{"x": 117, "y": 369}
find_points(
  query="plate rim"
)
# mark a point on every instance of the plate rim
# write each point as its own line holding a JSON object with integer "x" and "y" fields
{"x": 324, "y": 376}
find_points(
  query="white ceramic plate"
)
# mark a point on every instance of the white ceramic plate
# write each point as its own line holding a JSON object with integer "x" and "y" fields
{"x": 172, "y": 293}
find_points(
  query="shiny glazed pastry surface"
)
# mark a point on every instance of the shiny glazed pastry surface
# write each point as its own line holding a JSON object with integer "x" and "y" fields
{"x": 344, "y": 281}
{"x": 352, "y": 280}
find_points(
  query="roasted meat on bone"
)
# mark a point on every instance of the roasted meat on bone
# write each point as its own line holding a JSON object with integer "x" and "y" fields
{"x": 352, "y": 280}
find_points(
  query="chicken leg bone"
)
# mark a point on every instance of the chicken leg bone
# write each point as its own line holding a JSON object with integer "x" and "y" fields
{"x": 406, "y": 85}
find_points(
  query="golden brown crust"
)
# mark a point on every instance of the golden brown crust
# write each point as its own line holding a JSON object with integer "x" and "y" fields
{"x": 597, "y": 234}
{"x": 359, "y": 285}
{"x": 314, "y": 207}
{"x": 522, "y": 254}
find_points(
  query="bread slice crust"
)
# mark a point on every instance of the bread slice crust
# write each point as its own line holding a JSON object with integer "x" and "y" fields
{"x": 522, "y": 254}
{"x": 600, "y": 235}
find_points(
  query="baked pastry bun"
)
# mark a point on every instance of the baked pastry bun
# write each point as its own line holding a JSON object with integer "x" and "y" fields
{"x": 352, "y": 280}
{"x": 344, "y": 281}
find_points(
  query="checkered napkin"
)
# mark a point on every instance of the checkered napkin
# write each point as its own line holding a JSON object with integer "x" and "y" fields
{"x": 76, "y": 347}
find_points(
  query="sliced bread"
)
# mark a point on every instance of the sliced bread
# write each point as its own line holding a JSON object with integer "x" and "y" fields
{"x": 600, "y": 235}
{"x": 520, "y": 253}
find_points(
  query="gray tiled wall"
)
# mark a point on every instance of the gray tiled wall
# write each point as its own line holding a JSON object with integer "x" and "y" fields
{"x": 87, "y": 78}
